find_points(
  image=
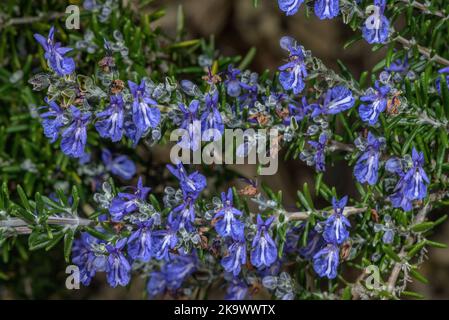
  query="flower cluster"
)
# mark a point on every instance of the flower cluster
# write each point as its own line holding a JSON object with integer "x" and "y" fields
{"x": 324, "y": 9}
{"x": 132, "y": 117}
{"x": 192, "y": 240}
{"x": 367, "y": 167}
{"x": 147, "y": 239}
{"x": 323, "y": 243}
{"x": 413, "y": 180}
{"x": 55, "y": 54}
{"x": 375, "y": 28}
{"x": 264, "y": 250}
{"x": 376, "y": 102}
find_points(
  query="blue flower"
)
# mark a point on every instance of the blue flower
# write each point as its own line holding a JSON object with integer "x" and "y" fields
{"x": 165, "y": 240}
{"x": 191, "y": 184}
{"x": 144, "y": 116}
{"x": 376, "y": 26}
{"x": 395, "y": 165}
{"x": 172, "y": 275}
{"x": 416, "y": 179}
{"x": 293, "y": 73}
{"x": 55, "y": 54}
{"x": 412, "y": 184}
{"x": 232, "y": 84}
{"x": 387, "y": 228}
{"x": 140, "y": 243}
{"x": 367, "y": 166}
{"x": 228, "y": 225}
{"x": 212, "y": 124}
{"x": 133, "y": 132}
{"x": 335, "y": 227}
{"x": 297, "y": 110}
{"x": 156, "y": 284}
{"x": 327, "y": 9}
{"x": 184, "y": 214}
{"x": 378, "y": 99}
{"x": 292, "y": 238}
{"x": 126, "y": 203}
{"x": 52, "y": 120}
{"x": 336, "y": 100}
{"x": 121, "y": 165}
{"x": 118, "y": 268}
{"x": 84, "y": 159}
{"x": 235, "y": 258}
{"x": 251, "y": 87}
{"x": 290, "y": 7}
{"x": 264, "y": 252}
{"x": 399, "y": 66}
{"x": 388, "y": 236}
{"x": 438, "y": 81}
{"x": 75, "y": 136}
{"x": 110, "y": 121}
{"x": 179, "y": 269}
{"x": 315, "y": 242}
{"x": 86, "y": 254}
{"x": 319, "y": 152}
{"x": 398, "y": 198}
{"x": 191, "y": 124}
{"x": 237, "y": 290}
{"x": 325, "y": 261}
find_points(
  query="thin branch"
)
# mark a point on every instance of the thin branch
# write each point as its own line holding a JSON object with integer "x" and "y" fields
{"x": 424, "y": 51}
{"x": 27, "y": 20}
{"x": 304, "y": 215}
{"x": 20, "y": 226}
{"x": 419, "y": 218}
{"x": 424, "y": 8}
{"x": 336, "y": 145}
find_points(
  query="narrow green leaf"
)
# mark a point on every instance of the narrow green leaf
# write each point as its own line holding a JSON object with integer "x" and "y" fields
{"x": 416, "y": 248}
{"x": 307, "y": 195}
{"x": 389, "y": 251}
{"x": 421, "y": 227}
{"x": 418, "y": 276}
{"x": 23, "y": 198}
{"x": 412, "y": 294}
{"x": 68, "y": 242}
{"x": 435, "y": 244}
{"x": 248, "y": 58}
{"x": 303, "y": 201}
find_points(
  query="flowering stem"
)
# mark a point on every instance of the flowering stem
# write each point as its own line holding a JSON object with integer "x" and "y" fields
{"x": 409, "y": 43}
{"x": 424, "y": 51}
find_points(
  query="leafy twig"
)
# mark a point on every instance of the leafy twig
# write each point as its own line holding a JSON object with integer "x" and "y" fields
{"x": 423, "y": 50}
{"x": 304, "y": 215}
{"x": 28, "y": 20}
{"x": 419, "y": 218}
{"x": 424, "y": 8}
{"x": 22, "y": 227}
